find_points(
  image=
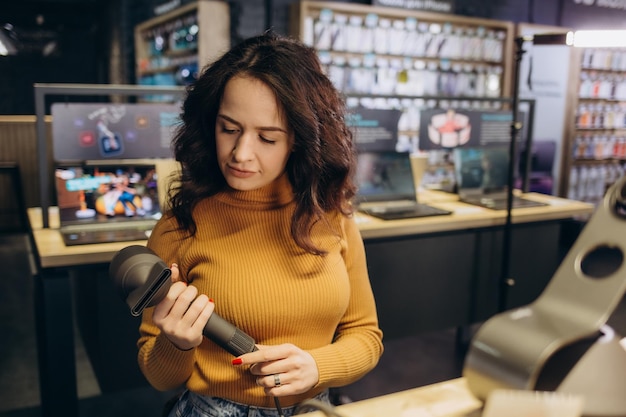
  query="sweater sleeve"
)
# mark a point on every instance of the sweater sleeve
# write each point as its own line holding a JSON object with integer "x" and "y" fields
{"x": 164, "y": 365}
{"x": 357, "y": 345}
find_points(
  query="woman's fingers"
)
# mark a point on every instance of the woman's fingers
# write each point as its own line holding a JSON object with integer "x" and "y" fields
{"x": 182, "y": 315}
{"x": 175, "y": 277}
{"x": 204, "y": 307}
{"x": 273, "y": 380}
{"x": 165, "y": 306}
{"x": 183, "y": 300}
{"x": 282, "y": 369}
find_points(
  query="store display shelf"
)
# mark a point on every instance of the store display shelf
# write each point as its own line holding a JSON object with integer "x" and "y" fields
{"x": 603, "y": 99}
{"x": 178, "y": 53}
{"x": 598, "y": 161}
{"x": 603, "y": 70}
{"x": 154, "y": 71}
{"x": 406, "y": 44}
{"x": 170, "y": 48}
{"x": 433, "y": 97}
{"x": 601, "y": 129}
{"x": 350, "y": 55}
{"x": 168, "y": 65}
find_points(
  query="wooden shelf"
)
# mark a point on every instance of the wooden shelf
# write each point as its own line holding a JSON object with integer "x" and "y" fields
{"x": 212, "y": 39}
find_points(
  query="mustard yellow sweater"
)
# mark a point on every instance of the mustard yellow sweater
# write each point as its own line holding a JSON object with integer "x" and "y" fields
{"x": 244, "y": 258}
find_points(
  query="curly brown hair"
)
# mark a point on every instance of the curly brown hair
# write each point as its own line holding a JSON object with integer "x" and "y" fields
{"x": 322, "y": 164}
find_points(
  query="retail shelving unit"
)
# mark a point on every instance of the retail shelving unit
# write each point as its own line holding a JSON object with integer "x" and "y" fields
{"x": 466, "y": 57}
{"x": 171, "y": 48}
{"x": 597, "y": 144}
{"x": 391, "y": 58}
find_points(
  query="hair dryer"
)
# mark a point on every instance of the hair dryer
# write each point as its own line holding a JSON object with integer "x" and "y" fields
{"x": 142, "y": 279}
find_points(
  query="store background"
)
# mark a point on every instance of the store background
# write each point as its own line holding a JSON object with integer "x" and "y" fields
{"x": 91, "y": 41}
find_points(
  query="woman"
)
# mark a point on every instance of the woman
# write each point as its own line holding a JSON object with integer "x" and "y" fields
{"x": 261, "y": 223}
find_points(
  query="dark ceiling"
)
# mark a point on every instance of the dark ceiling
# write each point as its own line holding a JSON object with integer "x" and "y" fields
{"x": 40, "y": 27}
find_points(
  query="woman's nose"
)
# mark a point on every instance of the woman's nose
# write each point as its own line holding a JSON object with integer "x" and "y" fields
{"x": 243, "y": 148}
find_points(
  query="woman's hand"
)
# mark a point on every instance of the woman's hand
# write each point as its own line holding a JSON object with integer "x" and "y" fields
{"x": 282, "y": 369}
{"x": 182, "y": 314}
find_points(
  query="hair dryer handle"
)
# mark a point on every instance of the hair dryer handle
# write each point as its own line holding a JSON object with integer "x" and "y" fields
{"x": 229, "y": 337}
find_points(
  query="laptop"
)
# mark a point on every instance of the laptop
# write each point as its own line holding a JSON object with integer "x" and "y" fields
{"x": 386, "y": 188}
{"x": 481, "y": 175}
{"x": 91, "y": 131}
{"x": 107, "y": 201}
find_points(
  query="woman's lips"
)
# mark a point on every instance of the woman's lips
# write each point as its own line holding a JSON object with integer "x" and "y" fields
{"x": 235, "y": 172}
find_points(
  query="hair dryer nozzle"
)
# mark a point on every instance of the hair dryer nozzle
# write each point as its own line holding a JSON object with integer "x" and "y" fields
{"x": 140, "y": 277}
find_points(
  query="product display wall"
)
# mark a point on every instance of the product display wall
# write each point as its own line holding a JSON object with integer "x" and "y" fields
{"x": 598, "y": 148}
{"x": 409, "y": 61}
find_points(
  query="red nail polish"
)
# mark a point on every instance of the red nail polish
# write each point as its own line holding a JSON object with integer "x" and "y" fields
{"x": 211, "y": 300}
{"x": 237, "y": 361}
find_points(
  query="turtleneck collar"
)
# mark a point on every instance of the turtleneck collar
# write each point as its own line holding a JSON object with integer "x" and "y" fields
{"x": 274, "y": 195}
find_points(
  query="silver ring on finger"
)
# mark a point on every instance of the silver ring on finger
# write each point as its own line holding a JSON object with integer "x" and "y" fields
{"x": 276, "y": 380}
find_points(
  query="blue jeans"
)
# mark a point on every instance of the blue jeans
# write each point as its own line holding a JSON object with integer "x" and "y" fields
{"x": 194, "y": 405}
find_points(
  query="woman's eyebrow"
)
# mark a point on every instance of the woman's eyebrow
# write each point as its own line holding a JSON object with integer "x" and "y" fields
{"x": 229, "y": 119}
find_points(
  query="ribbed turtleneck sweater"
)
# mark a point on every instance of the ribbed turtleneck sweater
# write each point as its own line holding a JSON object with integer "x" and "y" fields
{"x": 244, "y": 258}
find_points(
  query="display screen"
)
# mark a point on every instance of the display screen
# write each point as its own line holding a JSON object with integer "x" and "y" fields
{"x": 107, "y": 193}
{"x": 384, "y": 176}
{"x": 89, "y": 131}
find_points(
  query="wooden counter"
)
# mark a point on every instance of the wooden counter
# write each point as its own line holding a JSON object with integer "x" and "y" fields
{"x": 445, "y": 399}
{"x": 467, "y": 216}
{"x": 54, "y": 253}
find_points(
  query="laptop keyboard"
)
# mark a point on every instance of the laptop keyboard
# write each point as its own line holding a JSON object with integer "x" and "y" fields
{"x": 72, "y": 238}
{"x": 501, "y": 204}
{"x": 404, "y": 212}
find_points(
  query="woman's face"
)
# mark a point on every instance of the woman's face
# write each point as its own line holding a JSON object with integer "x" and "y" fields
{"x": 253, "y": 139}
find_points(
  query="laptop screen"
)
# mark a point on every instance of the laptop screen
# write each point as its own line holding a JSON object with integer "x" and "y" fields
{"x": 105, "y": 193}
{"x": 384, "y": 176}
{"x": 480, "y": 171}
{"x": 90, "y": 131}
